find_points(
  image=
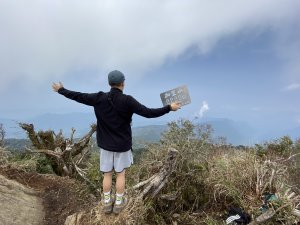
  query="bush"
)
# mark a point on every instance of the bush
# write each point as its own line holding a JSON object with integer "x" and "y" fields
{"x": 186, "y": 185}
{"x": 23, "y": 160}
{"x": 285, "y": 151}
{"x": 43, "y": 165}
{"x": 212, "y": 178}
{"x": 4, "y": 155}
{"x": 281, "y": 147}
{"x": 93, "y": 169}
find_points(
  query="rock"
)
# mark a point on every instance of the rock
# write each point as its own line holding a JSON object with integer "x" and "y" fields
{"x": 20, "y": 205}
{"x": 74, "y": 219}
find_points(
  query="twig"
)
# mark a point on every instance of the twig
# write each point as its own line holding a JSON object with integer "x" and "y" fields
{"x": 82, "y": 175}
{"x": 45, "y": 151}
{"x": 137, "y": 186}
{"x": 72, "y": 134}
{"x": 292, "y": 156}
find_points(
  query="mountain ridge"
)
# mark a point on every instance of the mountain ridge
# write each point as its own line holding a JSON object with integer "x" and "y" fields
{"x": 236, "y": 132}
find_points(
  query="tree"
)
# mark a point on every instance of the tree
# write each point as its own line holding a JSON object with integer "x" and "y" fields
{"x": 2, "y": 135}
{"x": 64, "y": 154}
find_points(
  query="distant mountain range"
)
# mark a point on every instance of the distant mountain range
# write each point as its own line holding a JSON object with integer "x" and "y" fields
{"x": 144, "y": 129}
{"x": 235, "y": 132}
{"x": 80, "y": 121}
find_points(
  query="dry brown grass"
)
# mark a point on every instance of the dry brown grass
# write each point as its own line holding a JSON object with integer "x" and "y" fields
{"x": 4, "y": 155}
{"x": 131, "y": 215}
{"x": 241, "y": 178}
{"x": 28, "y": 163}
{"x": 232, "y": 176}
{"x": 208, "y": 179}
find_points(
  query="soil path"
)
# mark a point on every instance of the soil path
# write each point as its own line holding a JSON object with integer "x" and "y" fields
{"x": 19, "y": 205}
{"x": 52, "y": 198}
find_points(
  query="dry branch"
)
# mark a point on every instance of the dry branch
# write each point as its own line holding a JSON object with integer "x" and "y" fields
{"x": 46, "y": 152}
{"x": 263, "y": 217}
{"x": 296, "y": 212}
{"x": 289, "y": 158}
{"x": 155, "y": 183}
{"x": 83, "y": 142}
{"x": 29, "y": 128}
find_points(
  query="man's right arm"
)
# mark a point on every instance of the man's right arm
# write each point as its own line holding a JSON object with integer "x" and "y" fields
{"x": 84, "y": 98}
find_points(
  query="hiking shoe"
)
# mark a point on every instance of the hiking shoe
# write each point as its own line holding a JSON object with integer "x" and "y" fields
{"x": 118, "y": 208}
{"x": 107, "y": 207}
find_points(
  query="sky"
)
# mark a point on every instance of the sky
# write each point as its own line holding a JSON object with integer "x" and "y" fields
{"x": 239, "y": 59}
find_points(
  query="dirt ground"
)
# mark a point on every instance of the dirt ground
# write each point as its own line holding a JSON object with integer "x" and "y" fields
{"x": 61, "y": 196}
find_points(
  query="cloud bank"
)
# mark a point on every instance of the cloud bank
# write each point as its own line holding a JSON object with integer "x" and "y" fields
{"x": 45, "y": 40}
{"x": 292, "y": 87}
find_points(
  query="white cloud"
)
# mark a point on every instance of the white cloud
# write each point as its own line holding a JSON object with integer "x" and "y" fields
{"x": 44, "y": 40}
{"x": 256, "y": 109}
{"x": 204, "y": 108}
{"x": 287, "y": 46}
{"x": 292, "y": 87}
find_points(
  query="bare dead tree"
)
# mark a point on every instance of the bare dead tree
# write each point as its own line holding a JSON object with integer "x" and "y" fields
{"x": 64, "y": 154}
{"x": 154, "y": 184}
{"x": 2, "y": 135}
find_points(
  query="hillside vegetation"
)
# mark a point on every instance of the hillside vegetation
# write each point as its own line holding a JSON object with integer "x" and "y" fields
{"x": 209, "y": 179}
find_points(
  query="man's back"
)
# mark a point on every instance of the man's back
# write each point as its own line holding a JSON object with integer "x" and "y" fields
{"x": 114, "y": 112}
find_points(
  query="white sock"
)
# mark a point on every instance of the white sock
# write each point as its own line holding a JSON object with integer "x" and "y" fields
{"x": 106, "y": 197}
{"x": 119, "y": 198}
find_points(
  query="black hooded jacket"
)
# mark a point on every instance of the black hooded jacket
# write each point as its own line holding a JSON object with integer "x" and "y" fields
{"x": 114, "y": 112}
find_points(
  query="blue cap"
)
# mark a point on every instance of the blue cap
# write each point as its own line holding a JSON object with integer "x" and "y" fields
{"x": 115, "y": 77}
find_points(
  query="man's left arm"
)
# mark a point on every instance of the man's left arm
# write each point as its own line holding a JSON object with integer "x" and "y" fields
{"x": 144, "y": 111}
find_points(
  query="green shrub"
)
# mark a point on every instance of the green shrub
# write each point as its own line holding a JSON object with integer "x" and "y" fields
{"x": 281, "y": 147}
{"x": 4, "y": 155}
{"x": 187, "y": 182}
{"x": 43, "y": 165}
{"x": 93, "y": 169}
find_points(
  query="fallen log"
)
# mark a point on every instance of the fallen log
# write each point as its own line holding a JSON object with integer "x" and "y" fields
{"x": 154, "y": 184}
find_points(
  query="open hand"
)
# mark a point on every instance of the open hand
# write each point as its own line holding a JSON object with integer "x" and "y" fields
{"x": 57, "y": 86}
{"x": 175, "y": 106}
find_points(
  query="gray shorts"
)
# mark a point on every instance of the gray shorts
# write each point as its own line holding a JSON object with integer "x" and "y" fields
{"x": 117, "y": 161}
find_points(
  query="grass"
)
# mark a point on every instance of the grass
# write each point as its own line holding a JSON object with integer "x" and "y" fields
{"x": 208, "y": 179}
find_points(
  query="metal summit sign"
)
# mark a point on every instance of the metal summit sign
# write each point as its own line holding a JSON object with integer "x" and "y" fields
{"x": 179, "y": 94}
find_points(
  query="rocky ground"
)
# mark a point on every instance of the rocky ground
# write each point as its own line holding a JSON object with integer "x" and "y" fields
{"x": 31, "y": 198}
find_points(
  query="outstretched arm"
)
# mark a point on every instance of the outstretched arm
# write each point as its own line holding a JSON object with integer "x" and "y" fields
{"x": 84, "y": 98}
{"x": 144, "y": 111}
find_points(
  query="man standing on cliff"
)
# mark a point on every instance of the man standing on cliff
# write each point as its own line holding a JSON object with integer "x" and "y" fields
{"x": 114, "y": 112}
